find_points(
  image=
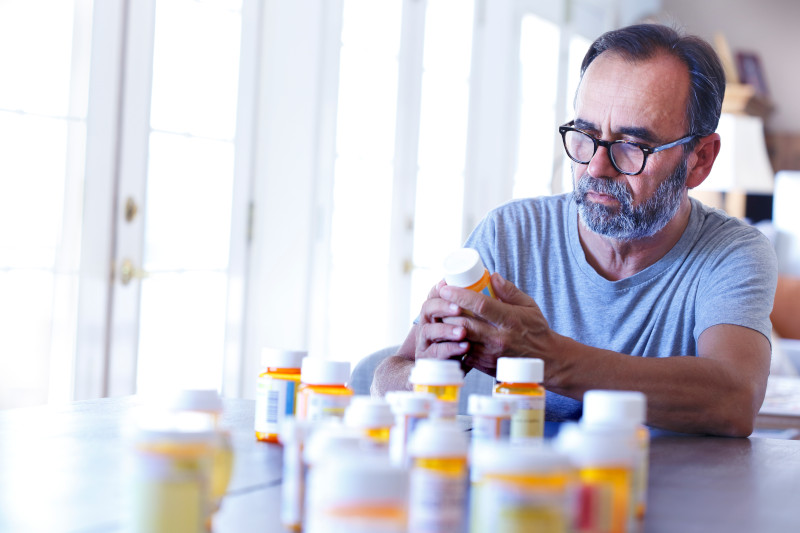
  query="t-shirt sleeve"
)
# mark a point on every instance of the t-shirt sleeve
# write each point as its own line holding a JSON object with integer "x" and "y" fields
{"x": 739, "y": 286}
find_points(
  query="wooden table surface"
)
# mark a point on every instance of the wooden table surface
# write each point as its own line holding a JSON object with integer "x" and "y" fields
{"x": 61, "y": 470}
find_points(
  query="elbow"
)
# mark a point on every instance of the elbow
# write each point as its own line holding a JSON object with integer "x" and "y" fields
{"x": 738, "y": 415}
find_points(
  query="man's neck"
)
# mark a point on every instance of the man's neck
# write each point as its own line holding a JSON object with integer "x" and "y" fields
{"x": 615, "y": 260}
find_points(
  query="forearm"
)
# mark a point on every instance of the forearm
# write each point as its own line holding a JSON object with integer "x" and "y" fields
{"x": 393, "y": 372}
{"x": 686, "y": 394}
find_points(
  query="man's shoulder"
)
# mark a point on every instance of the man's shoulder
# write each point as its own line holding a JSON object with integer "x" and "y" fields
{"x": 536, "y": 207}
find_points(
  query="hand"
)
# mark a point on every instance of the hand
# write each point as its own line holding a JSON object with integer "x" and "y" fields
{"x": 510, "y": 326}
{"x": 436, "y": 339}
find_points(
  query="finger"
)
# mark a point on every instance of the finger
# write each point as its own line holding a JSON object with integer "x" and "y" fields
{"x": 439, "y": 332}
{"x": 509, "y": 293}
{"x": 443, "y": 350}
{"x": 434, "y": 292}
{"x": 436, "y": 308}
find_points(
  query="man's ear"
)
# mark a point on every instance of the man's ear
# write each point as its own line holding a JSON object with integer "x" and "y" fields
{"x": 702, "y": 159}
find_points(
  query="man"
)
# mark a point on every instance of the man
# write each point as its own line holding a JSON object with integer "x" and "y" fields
{"x": 626, "y": 283}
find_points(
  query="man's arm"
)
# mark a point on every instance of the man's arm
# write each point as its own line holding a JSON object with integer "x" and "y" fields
{"x": 718, "y": 392}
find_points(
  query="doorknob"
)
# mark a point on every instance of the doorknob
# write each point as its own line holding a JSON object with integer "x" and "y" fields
{"x": 127, "y": 272}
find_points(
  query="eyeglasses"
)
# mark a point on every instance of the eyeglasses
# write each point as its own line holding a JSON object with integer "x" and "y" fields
{"x": 627, "y": 157}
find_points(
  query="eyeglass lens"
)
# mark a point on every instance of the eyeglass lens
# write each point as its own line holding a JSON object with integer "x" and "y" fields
{"x": 626, "y": 157}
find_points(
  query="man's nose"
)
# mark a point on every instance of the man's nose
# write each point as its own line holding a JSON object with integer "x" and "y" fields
{"x": 600, "y": 164}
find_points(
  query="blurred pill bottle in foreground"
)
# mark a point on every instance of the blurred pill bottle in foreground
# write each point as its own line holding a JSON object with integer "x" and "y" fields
{"x": 372, "y": 416}
{"x": 276, "y": 391}
{"x": 323, "y": 391}
{"x": 443, "y": 379}
{"x": 357, "y": 493}
{"x": 464, "y": 268}
{"x": 293, "y": 435}
{"x": 605, "y": 459}
{"x": 625, "y": 411}
{"x": 491, "y": 416}
{"x": 521, "y": 378}
{"x": 208, "y": 402}
{"x": 521, "y": 488}
{"x": 170, "y": 473}
{"x": 409, "y": 409}
{"x": 439, "y": 450}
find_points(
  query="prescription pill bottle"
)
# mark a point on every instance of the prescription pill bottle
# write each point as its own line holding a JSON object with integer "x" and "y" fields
{"x": 491, "y": 416}
{"x": 323, "y": 392}
{"x": 605, "y": 460}
{"x": 409, "y": 409}
{"x": 443, "y": 379}
{"x": 372, "y": 416}
{"x": 438, "y": 477}
{"x": 521, "y": 488}
{"x": 625, "y": 411}
{"x": 357, "y": 493}
{"x": 276, "y": 391}
{"x": 171, "y": 474}
{"x": 209, "y": 403}
{"x": 293, "y": 434}
{"x": 520, "y": 378}
{"x": 464, "y": 268}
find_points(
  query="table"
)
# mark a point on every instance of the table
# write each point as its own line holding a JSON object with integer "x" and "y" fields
{"x": 61, "y": 471}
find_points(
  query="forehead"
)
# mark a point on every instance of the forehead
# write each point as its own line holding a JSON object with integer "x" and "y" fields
{"x": 617, "y": 95}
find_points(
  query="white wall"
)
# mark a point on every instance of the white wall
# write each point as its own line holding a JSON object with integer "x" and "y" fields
{"x": 770, "y": 28}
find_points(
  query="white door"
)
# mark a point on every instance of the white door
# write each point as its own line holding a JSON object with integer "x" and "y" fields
{"x": 182, "y": 199}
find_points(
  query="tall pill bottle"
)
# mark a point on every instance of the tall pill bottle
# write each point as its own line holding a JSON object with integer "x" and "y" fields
{"x": 294, "y": 435}
{"x": 521, "y": 488}
{"x": 323, "y": 391}
{"x": 625, "y": 411}
{"x": 171, "y": 474}
{"x": 443, "y": 379}
{"x": 276, "y": 391}
{"x": 521, "y": 378}
{"x": 491, "y": 416}
{"x": 605, "y": 459}
{"x": 409, "y": 409}
{"x": 357, "y": 493}
{"x": 439, "y": 449}
{"x": 208, "y": 402}
{"x": 372, "y": 416}
{"x": 464, "y": 268}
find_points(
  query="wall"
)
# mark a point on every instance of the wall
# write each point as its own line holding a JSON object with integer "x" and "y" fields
{"x": 769, "y": 28}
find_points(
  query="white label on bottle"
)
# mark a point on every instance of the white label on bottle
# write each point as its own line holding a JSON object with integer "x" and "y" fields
{"x": 275, "y": 399}
{"x": 437, "y": 502}
{"x": 321, "y": 406}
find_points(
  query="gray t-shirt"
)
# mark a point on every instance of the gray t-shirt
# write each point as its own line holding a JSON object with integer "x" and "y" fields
{"x": 721, "y": 271}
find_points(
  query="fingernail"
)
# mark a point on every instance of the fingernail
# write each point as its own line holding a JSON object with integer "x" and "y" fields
{"x": 463, "y": 345}
{"x": 458, "y": 331}
{"x": 453, "y": 307}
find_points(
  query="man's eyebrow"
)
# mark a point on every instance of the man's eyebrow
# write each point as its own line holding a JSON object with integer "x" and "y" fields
{"x": 632, "y": 131}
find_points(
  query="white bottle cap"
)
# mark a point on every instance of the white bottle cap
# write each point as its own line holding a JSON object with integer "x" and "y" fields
{"x": 203, "y": 400}
{"x": 331, "y": 439}
{"x": 602, "y": 445}
{"x": 368, "y": 413}
{"x": 520, "y": 370}
{"x": 614, "y": 407}
{"x": 463, "y": 267}
{"x": 318, "y": 371}
{"x": 438, "y": 437}
{"x": 410, "y": 402}
{"x": 482, "y": 405}
{"x": 278, "y": 358}
{"x": 437, "y": 372}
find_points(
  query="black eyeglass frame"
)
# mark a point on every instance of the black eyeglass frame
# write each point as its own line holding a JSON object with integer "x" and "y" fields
{"x": 646, "y": 150}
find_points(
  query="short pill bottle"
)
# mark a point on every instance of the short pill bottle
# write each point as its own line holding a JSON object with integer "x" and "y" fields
{"x": 276, "y": 391}
{"x": 624, "y": 411}
{"x": 171, "y": 474}
{"x": 323, "y": 391}
{"x": 443, "y": 379}
{"x": 491, "y": 416}
{"x": 464, "y": 268}
{"x": 439, "y": 451}
{"x": 357, "y": 493}
{"x": 208, "y": 402}
{"x": 521, "y": 488}
{"x": 520, "y": 378}
{"x": 372, "y": 416}
{"x": 409, "y": 409}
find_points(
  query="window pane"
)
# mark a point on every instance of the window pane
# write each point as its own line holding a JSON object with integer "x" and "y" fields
{"x": 189, "y": 194}
{"x": 195, "y": 67}
{"x": 538, "y": 62}
{"x": 578, "y": 45}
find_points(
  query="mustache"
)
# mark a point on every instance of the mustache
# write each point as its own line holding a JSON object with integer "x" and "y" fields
{"x": 612, "y": 188}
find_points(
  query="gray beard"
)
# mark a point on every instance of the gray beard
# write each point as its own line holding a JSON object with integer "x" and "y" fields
{"x": 628, "y": 223}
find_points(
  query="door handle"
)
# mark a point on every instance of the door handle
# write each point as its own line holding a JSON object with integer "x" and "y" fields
{"x": 128, "y": 272}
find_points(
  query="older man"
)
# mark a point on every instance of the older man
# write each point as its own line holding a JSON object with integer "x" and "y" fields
{"x": 626, "y": 283}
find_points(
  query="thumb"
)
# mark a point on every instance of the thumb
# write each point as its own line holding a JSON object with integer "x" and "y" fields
{"x": 508, "y": 293}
